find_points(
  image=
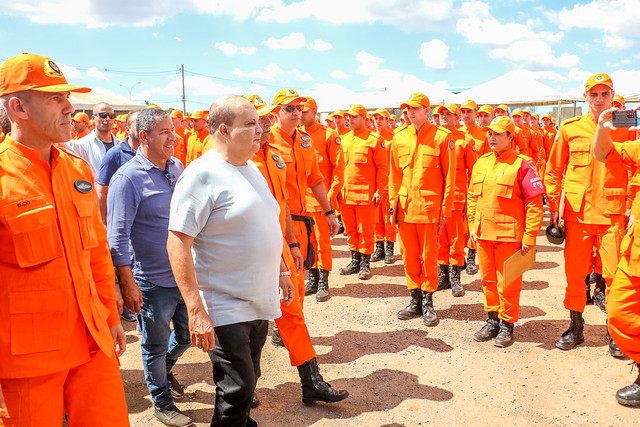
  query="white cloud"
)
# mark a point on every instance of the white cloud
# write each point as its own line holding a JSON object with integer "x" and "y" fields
{"x": 534, "y": 55}
{"x": 96, "y": 74}
{"x": 617, "y": 17}
{"x": 320, "y": 45}
{"x": 368, "y": 63}
{"x": 231, "y": 49}
{"x": 197, "y": 86}
{"x": 273, "y": 72}
{"x": 339, "y": 74}
{"x": 176, "y": 38}
{"x": 155, "y": 35}
{"x": 550, "y": 76}
{"x": 70, "y": 72}
{"x": 298, "y": 75}
{"x": 616, "y": 43}
{"x": 292, "y": 41}
{"x": 435, "y": 54}
{"x": 576, "y": 74}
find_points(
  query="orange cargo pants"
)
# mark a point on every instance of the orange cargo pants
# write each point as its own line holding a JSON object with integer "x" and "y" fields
{"x": 418, "y": 246}
{"x": 498, "y": 296}
{"x": 359, "y": 223}
{"x": 292, "y": 326}
{"x": 453, "y": 239}
{"x": 578, "y": 257}
{"x": 90, "y": 394}
{"x": 324, "y": 254}
{"x": 623, "y": 309}
{"x": 385, "y": 230}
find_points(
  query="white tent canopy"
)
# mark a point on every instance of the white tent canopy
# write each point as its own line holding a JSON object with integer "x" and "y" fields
{"x": 86, "y": 101}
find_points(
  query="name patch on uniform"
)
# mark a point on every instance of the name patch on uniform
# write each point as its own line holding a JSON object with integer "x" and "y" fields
{"x": 306, "y": 144}
{"x": 280, "y": 165}
{"x": 276, "y": 157}
{"x": 83, "y": 186}
{"x": 338, "y": 141}
{"x": 452, "y": 145}
{"x": 305, "y": 138}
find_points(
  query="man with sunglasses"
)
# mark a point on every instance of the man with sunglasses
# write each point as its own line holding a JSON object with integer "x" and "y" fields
{"x": 137, "y": 223}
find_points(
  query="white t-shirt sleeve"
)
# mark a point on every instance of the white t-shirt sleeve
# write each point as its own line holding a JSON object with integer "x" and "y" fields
{"x": 191, "y": 204}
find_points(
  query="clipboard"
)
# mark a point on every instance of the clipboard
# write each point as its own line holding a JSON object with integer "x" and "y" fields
{"x": 517, "y": 264}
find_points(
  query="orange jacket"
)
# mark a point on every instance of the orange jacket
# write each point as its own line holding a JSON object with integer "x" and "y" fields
{"x": 476, "y": 140}
{"x": 343, "y": 131}
{"x": 551, "y": 131}
{"x": 535, "y": 144}
{"x": 505, "y": 199}
{"x": 465, "y": 159}
{"x": 422, "y": 173}
{"x": 366, "y": 167}
{"x": 523, "y": 141}
{"x": 83, "y": 134}
{"x": 330, "y": 161}
{"x": 181, "y": 149}
{"x": 594, "y": 191}
{"x": 58, "y": 279}
{"x": 303, "y": 172}
{"x": 121, "y": 134}
{"x": 195, "y": 145}
{"x": 274, "y": 171}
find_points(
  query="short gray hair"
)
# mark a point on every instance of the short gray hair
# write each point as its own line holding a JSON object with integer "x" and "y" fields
{"x": 5, "y": 123}
{"x": 148, "y": 118}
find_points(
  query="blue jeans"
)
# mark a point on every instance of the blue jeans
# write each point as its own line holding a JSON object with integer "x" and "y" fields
{"x": 161, "y": 347}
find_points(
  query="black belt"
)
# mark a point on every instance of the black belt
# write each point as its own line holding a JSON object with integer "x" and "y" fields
{"x": 311, "y": 251}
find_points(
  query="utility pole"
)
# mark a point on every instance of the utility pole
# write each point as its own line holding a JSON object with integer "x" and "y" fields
{"x": 184, "y": 101}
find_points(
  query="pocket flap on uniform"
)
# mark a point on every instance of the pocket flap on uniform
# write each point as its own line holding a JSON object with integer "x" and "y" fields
{"x": 42, "y": 301}
{"x": 611, "y": 192}
{"x": 29, "y": 215}
{"x": 84, "y": 207}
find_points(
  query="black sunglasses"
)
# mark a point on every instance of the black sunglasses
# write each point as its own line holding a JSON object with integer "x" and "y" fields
{"x": 104, "y": 115}
{"x": 291, "y": 108}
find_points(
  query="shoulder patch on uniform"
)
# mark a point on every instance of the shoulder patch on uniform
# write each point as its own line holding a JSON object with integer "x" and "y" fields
{"x": 276, "y": 157}
{"x": 452, "y": 145}
{"x": 382, "y": 144}
{"x": 473, "y": 147}
{"x": 338, "y": 140}
{"x": 305, "y": 144}
{"x": 305, "y": 138}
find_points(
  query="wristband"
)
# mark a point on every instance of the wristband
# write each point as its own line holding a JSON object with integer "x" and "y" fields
{"x": 331, "y": 212}
{"x": 294, "y": 245}
{"x": 285, "y": 273}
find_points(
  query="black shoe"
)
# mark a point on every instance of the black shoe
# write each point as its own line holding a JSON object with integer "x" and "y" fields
{"x": 613, "y": 347}
{"x": 429, "y": 316}
{"x": 276, "y": 338}
{"x": 490, "y": 329}
{"x": 255, "y": 402}
{"x": 456, "y": 287}
{"x": 176, "y": 389}
{"x": 443, "y": 277}
{"x": 505, "y": 334}
{"x": 365, "y": 267}
{"x": 172, "y": 416}
{"x": 587, "y": 283}
{"x": 599, "y": 293}
{"x": 323, "y": 286}
{"x": 574, "y": 335}
{"x": 378, "y": 253}
{"x": 312, "y": 285}
{"x": 353, "y": 267}
{"x": 389, "y": 258}
{"x": 127, "y": 315}
{"x": 414, "y": 309}
{"x": 630, "y": 395}
{"x": 472, "y": 267}
{"x": 340, "y": 225}
{"x": 314, "y": 387}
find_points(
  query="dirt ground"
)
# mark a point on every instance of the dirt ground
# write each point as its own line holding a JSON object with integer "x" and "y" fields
{"x": 402, "y": 373}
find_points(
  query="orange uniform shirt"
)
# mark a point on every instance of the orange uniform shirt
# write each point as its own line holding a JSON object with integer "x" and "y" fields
{"x": 422, "y": 173}
{"x": 523, "y": 140}
{"x": 594, "y": 191}
{"x": 535, "y": 144}
{"x": 301, "y": 163}
{"x": 328, "y": 148}
{"x": 465, "y": 159}
{"x": 121, "y": 134}
{"x": 274, "y": 171}
{"x": 343, "y": 131}
{"x": 83, "y": 134}
{"x": 505, "y": 199}
{"x": 366, "y": 167}
{"x": 58, "y": 278}
{"x": 195, "y": 145}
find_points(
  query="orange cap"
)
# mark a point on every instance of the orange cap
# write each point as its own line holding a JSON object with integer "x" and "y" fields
{"x": 393, "y": 117}
{"x": 81, "y": 117}
{"x": 198, "y": 114}
{"x": 309, "y": 104}
{"x": 328, "y": 119}
{"x": 34, "y": 72}
{"x": 121, "y": 118}
{"x": 599, "y": 79}
{"x": 287, "y": 96}
{"x": 503, "y": 107}
{"x": 339, "y": 113}
{"x": 485, "y": 109}
{"x": 157, "y": 107}
{"x": 469, "y": 104}
{"x": 357, "y": 110}
{"x": 536, "y": 116}
{"x": 177, "y": 114}
{"x": 262, "y": 107}
{"x": 502, "y": 124}
{"x": 382, "y": 112}
{"x": 516, "y": 112}
{"x": 416, "y": 100}
{"x": 452, "y": 108}
{"x": 435, "y": 112}
{"x": 547, "y": 116}
{"x": 526, "y": 110}
{"x": 619, "y": 99}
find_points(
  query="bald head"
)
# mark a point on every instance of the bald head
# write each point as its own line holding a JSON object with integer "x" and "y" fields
{"x": 224, "y": 111}
{"x": 102, "y": 106}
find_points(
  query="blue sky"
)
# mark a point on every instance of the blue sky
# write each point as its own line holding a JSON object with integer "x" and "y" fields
{"x": 323, "y": 48}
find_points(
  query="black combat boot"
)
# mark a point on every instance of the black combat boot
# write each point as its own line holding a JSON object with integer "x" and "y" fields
{"x": 312, "y": 284}
{"x": 599, "y": 292}
{"x": 388, "y": 254}
{"x": 587, "y": 283}
{"x": 314, "y": 388}
{"x": 429, "y": 316}
{"x": 490, "y": 329}
{"x": 378, "y": 254}
{"x": 365, "y": 268}
{"x": 323, "y": 286}
{"x": 276, "y": 339}
{"x": 472, "y": 267}
{"x": 353, "y": 267}
{"x": 613, "y": 347}
{"x": 443, "y": 277}
{"x": 574, "y": 335}
{"x": 456, "y": 287}
{"x": 340, "y": 225}
{"x": 505, "y": 334}
{"x": 414, "y": 309}
{"x": 630, "y": 395}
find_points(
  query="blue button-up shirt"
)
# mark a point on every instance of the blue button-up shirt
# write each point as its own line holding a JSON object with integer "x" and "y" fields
{"x": 113, "y": 160}
{"x": 138, "y": 218}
